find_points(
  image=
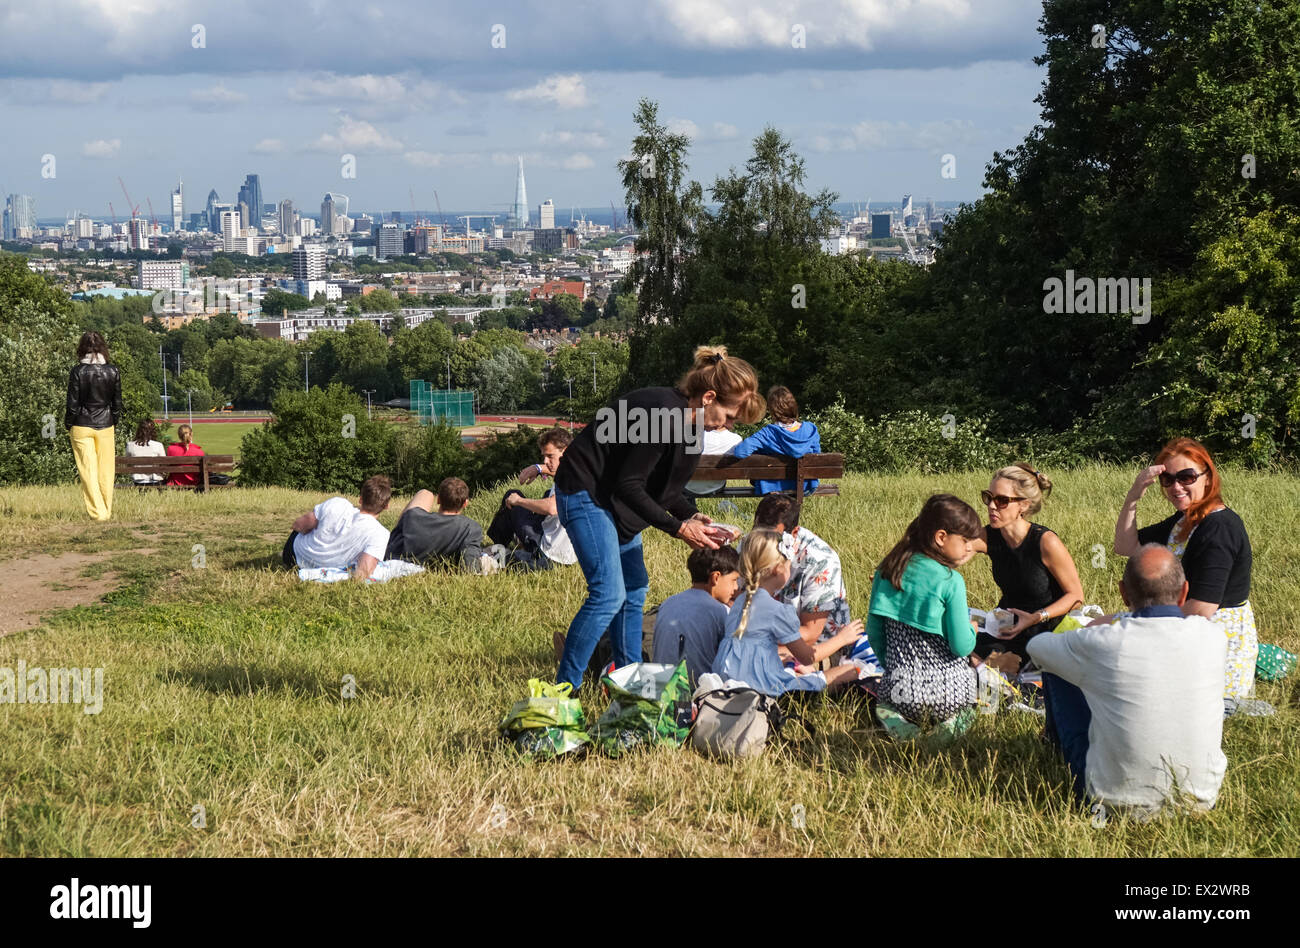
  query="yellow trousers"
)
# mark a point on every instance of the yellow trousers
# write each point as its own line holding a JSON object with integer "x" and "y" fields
{"x": 94, "y": 450}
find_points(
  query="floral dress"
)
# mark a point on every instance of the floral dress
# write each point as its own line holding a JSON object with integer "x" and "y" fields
{"x": 816, "y": 582}
{"x": 1238, "y": 623}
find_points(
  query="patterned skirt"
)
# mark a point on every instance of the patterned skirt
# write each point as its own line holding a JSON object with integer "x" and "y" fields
{"x": 1238, "y": 623}
{"x": 924, "y": 681}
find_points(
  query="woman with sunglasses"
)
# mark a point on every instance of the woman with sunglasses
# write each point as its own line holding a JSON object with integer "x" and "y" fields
{"x": 1212, "y": 544}
{"x": 1031, "y": 565}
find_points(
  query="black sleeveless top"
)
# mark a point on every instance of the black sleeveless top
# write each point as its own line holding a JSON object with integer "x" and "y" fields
{"x": 1021, "y": 576}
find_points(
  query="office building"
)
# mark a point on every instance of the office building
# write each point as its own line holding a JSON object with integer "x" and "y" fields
{"x": 81, "y": 227}
{"x": 388, "y": 243}
{"x": 332, "y": 209}
{"x": 162, "y": 274}
{"x": 286, "y": 218}
{"x": 309, "y": 263}
{"x": 554, "y": 240}
{"x": 546, "y": 215}
{"x": 519, "y": 212}
{"x": 199, "y": 221}
{"x": 137, "y": 234}
{"x": 251, "y": 196}
{"x": 230, "y": 231}
{"x": 880, "y": 226}
{"x": 906, "y": 206}
{"x": 212, "y": 221}
{"x": 178, "y": 206}
{"x": 19, "y": 217}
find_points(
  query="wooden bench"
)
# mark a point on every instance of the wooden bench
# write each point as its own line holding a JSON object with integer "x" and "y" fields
{"x": 203, "y": 466}
{"x": 765, "y": 467}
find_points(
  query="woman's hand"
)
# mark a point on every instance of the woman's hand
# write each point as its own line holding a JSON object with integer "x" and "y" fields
{"x": 1146, "y": 477}
{"x": 701, "y": 518}
{"x": 1023, "y": 621}
{"x": 697, "y": 535}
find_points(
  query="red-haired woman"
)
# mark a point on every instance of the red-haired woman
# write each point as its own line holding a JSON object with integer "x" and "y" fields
{"x": 1211, "y": 541}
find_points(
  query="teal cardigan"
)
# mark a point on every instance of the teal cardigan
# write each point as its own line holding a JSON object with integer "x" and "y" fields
{"x": 933, "y": 599}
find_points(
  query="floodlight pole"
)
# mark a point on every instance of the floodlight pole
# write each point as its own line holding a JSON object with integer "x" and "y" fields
{"x": 369, "y": 392}
{"x": 306, "y": 370}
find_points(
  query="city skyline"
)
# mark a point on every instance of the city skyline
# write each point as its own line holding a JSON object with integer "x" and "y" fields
{"x": 873, "y": 95}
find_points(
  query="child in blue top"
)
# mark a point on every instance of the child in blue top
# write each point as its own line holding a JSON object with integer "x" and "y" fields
{"x": 919, "y": 625}
{"x": 758, "y": 624}
{"x": 786, "y": 437}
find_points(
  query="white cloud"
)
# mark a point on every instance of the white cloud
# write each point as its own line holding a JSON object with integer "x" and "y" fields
{"x": 725, "y": 130}
{"x": 681, "y": 126}
{"x": 371, "y": 89}
{"x": 880, "y": 136}
{"x": 576, "y": 139}
{"x": 424, "y": 159}
{"x": 578, "y": 161}
{"x": 355, "y": 135}
{"x": 268, "y": 146}
{"x": 216, "y": 97}
{"x": 562, "y": 91}
{"x": 102, "y": 148}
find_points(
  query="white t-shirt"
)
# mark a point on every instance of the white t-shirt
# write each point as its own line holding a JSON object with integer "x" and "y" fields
{"x": 1155, "y": 689}
{"x": 719, "y": 441}
{"x": 153, "y": 449}
{"x": 342, "y": 534}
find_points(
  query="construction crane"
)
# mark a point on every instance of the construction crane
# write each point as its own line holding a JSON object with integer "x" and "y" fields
{"x": 113, "y": 214}
{"x": 135, "y": 208}
{"x": 469, "y": 217}
{"x": 153, "y": 219}
{"x": 440, "y": 214}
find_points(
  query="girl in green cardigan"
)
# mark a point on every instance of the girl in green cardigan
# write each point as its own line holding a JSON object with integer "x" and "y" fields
{"x": 919, "y": 625}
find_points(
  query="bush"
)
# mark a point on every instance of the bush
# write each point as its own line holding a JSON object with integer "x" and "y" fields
{"x": 320, "y": 440}
{"x": 502, "y": 457}
{"x": 909, "y": 441}
{"x": 425, "y": 455}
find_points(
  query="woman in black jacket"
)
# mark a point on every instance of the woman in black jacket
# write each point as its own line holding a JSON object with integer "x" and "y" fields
{"x": 94, "y": 406}
{"x": 625, "y": 472}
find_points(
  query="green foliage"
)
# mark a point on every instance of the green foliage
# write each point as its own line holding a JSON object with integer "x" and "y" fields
{"x": 221, "y": 266}
{"x": 909, "y": 441}
{"x": 38, "y": 341}
{"x": 611, "y": 362}
{"x": 276, "y": 302}
{"x": 320, "y": 440}
{"x": 424, "y": 455}
{"x": 380, "y": 301}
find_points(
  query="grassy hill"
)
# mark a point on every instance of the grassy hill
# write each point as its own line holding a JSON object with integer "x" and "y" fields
{"x": 222, "y": 687}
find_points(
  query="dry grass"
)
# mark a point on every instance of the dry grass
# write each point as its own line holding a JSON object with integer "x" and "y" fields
{"x": 222, "y": 689}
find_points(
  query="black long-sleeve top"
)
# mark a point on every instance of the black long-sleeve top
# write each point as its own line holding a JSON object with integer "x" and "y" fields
{"x": 640, "y": 484}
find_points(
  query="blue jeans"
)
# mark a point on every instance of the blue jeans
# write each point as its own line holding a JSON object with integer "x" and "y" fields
{"x": 617, "y": 583}
{"x": 1068, "y": 717}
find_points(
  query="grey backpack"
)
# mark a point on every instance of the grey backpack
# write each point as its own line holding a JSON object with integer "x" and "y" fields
{"x": 731, "y": 723}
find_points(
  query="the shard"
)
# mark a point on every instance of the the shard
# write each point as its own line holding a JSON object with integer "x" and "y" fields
{"x": 519, "y": 213}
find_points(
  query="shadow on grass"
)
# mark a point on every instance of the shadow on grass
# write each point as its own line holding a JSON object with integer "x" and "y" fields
{"x": 268, "y": 561}
{"x": 227, "y": 679}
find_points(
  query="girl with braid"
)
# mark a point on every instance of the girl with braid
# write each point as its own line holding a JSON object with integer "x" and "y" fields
{"x": 758, "y": 624}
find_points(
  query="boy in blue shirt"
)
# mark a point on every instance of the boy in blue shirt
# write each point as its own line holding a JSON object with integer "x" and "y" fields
{"x": 786, "y": 437}
{"x": 691, "y": 624}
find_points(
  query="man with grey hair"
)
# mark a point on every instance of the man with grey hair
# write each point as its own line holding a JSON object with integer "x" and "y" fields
{"x": 1136, "y": 705}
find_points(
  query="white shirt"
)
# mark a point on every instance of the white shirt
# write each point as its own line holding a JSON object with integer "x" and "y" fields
{"x": 342, "y": 534}
{"x": 718, "y": 441}
{"x": 1155, "y": 689}
{"x": 556, "y": 544}
{"x": 153, "y": 449}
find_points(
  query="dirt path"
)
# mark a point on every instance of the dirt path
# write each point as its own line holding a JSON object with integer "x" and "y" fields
{"x": 35, "y": 586}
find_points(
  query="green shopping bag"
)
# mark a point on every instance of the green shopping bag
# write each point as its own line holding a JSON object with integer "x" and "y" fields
{"x": 649, "y": 704}
{"x": 1274, "y": 663}
{"x": 547, "y": 723}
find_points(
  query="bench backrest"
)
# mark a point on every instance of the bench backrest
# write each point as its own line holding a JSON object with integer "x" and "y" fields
{"x": 766, "y": 467}
{"x": 201, "y": 465}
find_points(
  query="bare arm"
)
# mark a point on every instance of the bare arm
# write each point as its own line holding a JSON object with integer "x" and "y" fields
{"x": 803, "y": 653}
{"x": 542, "y": 505}
{"x": 1126, "y": 533}
{"x": 1060, "y": 564}
{"x": 1194, "y": 607}
{"x": 365, "y": 566}
{"x": 845, "y": 637}
{"x": 306, "y": 523}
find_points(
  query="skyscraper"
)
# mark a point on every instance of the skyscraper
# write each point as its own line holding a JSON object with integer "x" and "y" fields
{"x": 230, "y": 231}
{"x": 178, "y": 206}
{"x": 907, "y": 205}
{"x": 519, "y": 213}
{"x": 251, "y": 194}
{"x": 19, "y": 216}
{"x": 309, "y": 262}
{"x": 546, "y": 214}
{"x": 334, "y": 207}
{"x": 388, "y": 243}
{"x": 212, "y": 222}
{"x": 286, "y": 217}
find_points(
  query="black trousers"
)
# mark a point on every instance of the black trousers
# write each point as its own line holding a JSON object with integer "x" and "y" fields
{"x": 290, "y": 560}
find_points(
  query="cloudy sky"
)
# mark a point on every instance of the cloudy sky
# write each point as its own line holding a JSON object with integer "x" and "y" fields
{"x": 445, "y": 95}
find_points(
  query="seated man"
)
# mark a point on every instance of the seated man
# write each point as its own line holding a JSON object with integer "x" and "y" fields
{"x": 691, "y": 624}
{"x": 816, "y": 586}
{"x": 447, "y": 537}
{"x": 719, "y": 441}
{"x": 1136, "y": 707}
{"x": 533, "y": 525}
{"x": 337, "y": 534}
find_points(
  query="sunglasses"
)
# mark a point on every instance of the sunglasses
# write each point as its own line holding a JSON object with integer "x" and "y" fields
{"x": 1000, "y": 502}
{"x": 1187, "y": 476}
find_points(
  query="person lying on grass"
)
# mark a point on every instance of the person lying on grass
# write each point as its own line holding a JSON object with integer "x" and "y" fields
{"x": 919, "y": 625}
{"x": 447, "y": 537}
{"x": 533, "y": 526}
{"x": 758, "y": 624}
{"x": 691, "y": 624}
{"x": 337, "y": 534}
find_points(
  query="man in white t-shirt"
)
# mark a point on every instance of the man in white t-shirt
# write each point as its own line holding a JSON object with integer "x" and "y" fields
{"x": 533, "y": 526}
{"x": 337, "y": 534}
{"x": 721, "y": 441}
{"x": 1136, "y": 706}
